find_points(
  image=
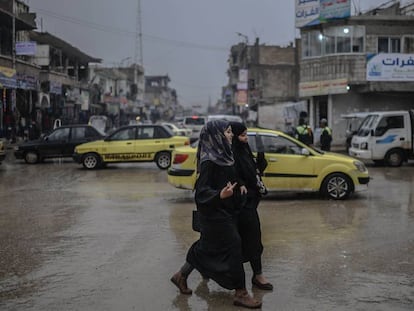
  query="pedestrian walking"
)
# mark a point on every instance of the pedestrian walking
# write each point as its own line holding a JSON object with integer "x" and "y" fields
{"x": 218, "y": 252}
{"x": 326, "y": 135}
{"x": 304, "y": 132}
{"x": 249, "y": 169}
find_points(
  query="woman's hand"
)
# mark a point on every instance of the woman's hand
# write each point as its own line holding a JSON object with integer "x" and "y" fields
{"x": 227, "y": 191}
{"x": 243, "y": 190}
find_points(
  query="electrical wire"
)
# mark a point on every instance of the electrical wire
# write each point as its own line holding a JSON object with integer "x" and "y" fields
{"x": 120, "y": 31}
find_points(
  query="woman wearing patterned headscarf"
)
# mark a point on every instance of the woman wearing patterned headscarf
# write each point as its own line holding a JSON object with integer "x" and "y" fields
{"x": 248, "y": 169}
{"x": 217, "y": 254}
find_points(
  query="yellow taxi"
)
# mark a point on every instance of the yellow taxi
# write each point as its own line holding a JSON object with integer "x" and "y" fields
{"x": 133, "y": 143}
{"x": 292, "y": 167}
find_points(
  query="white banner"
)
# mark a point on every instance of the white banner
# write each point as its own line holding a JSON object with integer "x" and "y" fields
{"x": 391, "y": 67}
{"x": 306, "y": 11}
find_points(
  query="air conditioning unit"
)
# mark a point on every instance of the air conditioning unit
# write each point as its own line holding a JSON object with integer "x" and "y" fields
{"x": 44, "y": 100}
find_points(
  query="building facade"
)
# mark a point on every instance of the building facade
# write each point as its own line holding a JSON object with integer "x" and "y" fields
{"x": 357, "y": 64}
{"x": 261, "y": 79}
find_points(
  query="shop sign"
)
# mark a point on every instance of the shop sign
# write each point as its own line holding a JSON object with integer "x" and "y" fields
{"x": 242, "y": 97}
{"x": 8, "y": 77}
{"x": 26, "y": 82}
{"x": 26, "y": 48}
{"x": 325, "y": 87}
{"x": 55, "y": 88}
{"x": 390, "y": 67}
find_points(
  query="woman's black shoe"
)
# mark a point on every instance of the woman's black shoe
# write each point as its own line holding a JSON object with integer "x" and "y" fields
{"x": 264, "y": 286}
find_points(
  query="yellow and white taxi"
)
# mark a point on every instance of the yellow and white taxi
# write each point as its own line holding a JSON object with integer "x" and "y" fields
{"x": 133, "y": 143}
{"x": 292, "y": 167}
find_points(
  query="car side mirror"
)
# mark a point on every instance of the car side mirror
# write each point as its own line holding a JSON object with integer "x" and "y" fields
{"x": 305, "y": 152}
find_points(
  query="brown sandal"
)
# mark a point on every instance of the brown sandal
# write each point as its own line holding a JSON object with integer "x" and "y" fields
{"x": 181, "y": 282}
{"x": 245, "y": 300}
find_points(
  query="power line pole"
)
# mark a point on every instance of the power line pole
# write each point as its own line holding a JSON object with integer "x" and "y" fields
{"x": 139, "y": 59}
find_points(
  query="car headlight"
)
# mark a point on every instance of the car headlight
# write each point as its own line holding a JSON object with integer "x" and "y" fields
{"x": 360, "y": 166}
{"x": 16, "y": 148}
{"x": 364, "y": 146}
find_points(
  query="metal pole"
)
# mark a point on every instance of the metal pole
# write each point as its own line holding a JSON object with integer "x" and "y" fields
{"x": 14, "y": 52}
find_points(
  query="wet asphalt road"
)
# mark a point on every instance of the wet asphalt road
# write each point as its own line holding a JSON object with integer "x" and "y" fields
{"x": 110, "y": 239}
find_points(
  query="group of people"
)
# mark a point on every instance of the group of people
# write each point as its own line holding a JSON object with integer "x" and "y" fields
{"x": 227, "y": 194}
{"x": 304, "y": 133}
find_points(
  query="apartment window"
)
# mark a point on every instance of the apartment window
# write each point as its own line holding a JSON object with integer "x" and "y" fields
{"x": 408, "y": 45}
{"x": 389, "y": 45}
{"x": 333, "y": 40}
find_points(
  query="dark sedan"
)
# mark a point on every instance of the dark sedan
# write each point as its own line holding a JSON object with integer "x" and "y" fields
{"x": 60, "y": 143}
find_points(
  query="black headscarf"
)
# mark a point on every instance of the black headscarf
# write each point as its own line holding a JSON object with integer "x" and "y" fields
{"x": 238, "y": 129}
{"x": 213, "y": 144}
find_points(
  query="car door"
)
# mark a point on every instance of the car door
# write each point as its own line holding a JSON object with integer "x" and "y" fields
{"x": 80, "y": 135}
{"x": 150, "y": 140}
{"x": 54, "y": 144}
{"x": 120, "y": 146}
{"x": 287, "y": 168}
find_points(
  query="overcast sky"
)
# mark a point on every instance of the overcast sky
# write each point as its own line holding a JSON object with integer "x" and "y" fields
{"x": 187, "y": 39}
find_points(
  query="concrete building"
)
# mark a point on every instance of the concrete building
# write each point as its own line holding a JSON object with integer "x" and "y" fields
{"x": 64, "y": 81}
{"x": 18, "y": 76}
{"x": 263, "y": 80}
{"x": 160, "y": 99}
{"x": 118, "y": 92}
{"x": 356, "y": 64}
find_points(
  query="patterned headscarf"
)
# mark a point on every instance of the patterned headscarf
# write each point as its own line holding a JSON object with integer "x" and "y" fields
{"x": 213, "y": 145}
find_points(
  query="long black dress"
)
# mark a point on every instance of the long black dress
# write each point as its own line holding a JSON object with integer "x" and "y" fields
{"x": 217, "y": 254}
{"x": 248, "y": 218}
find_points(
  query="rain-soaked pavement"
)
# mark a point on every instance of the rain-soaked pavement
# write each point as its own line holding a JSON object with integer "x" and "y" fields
{"x": 110, "y": 239}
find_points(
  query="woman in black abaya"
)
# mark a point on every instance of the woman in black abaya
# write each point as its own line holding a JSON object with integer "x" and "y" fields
{"x": 217, "y": 254}
{"x": 248, "y": 168}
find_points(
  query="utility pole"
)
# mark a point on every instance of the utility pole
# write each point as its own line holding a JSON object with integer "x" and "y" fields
{"x": 14, "y": 55}
{"x": 139, "y": 59}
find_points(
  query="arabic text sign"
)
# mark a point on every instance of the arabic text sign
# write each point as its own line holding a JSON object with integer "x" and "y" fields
{"x": 391, "y": 67}
{"x": 306, "y": 11}
{"x": 330, "y": 9}
{"x": 26, "y": 48}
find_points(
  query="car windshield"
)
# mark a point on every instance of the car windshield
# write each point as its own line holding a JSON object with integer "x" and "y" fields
{"x": 367, "y": 125}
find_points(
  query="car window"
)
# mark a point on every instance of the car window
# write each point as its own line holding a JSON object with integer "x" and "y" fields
{"x": 390, "y": 122}
{"x": 59, "y": 134}
{"x": 124, "y": 134}
{"x": 279, "y": 144}
{"x": 146, "y": 132}
{"x": 161, "y": 132}
{"x": 91, "y": 132}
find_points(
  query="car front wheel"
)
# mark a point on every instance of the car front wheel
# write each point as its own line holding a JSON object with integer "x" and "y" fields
{"x": 31, "y": 157}
{"x": 91, "y": 161}
{"x": 337, "y": 186}
{"x": 163, "y": 160}
{"x": 394, "y": 158}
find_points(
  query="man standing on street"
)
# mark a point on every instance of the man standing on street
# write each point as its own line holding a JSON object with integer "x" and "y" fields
{"x": 326, "y": 135}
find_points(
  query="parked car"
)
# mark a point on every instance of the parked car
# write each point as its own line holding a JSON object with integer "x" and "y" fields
{"x": 292, "y": 166}
{"x": 195, "y": 123}
{"x": 179, "y": 131}
{"x": 59, "y": 143}
{"x": 2, "y": 150}
{"x": 131, "y": 143}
